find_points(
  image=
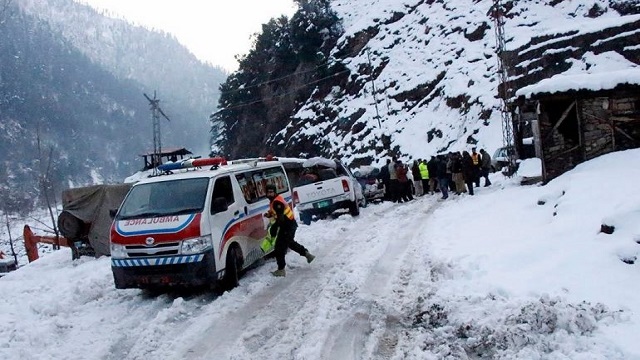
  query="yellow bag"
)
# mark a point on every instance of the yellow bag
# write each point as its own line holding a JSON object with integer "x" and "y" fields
{"x": 269, "y": 242}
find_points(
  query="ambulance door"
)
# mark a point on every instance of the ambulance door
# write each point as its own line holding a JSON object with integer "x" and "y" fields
{"x": 224, "y": 211}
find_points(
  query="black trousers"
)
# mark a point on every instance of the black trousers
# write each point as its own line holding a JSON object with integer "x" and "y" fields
{"x": 286, "y": 241}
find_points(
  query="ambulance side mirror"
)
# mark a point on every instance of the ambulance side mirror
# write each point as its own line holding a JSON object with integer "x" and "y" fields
{"x": 219, "y": 205}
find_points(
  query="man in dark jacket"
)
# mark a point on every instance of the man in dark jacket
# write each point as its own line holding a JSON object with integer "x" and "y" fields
{"x": 441, "y": 174}
{"x": 386, "y": 180}
{"x": 432, "y": 166}
{"x": 284, "y": 229}
{"x": 485, "y": 166}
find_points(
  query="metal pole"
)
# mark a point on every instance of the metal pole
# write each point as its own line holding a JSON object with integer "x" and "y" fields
{"x": 373, "y": 86}
{"x": 507, "y": 125}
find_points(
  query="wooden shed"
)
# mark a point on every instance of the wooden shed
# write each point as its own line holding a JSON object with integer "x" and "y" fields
{"x": 577, "y": 93}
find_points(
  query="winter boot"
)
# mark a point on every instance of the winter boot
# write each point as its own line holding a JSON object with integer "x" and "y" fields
{"x": 279, "y": 273}
{"x": 309, "y": 257}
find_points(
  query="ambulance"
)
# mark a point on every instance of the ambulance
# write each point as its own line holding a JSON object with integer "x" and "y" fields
{"x": 200, "y": 223}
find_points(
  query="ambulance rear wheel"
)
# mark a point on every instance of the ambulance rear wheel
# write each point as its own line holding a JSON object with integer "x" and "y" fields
{"x": 232, "y": 272}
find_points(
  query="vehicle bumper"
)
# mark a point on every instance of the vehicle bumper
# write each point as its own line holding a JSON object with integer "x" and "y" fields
{"x": 168, "y": 271}
{"x": 325, "y": 206}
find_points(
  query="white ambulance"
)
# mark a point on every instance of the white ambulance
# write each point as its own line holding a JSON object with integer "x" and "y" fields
{"x": 201, "y": 223}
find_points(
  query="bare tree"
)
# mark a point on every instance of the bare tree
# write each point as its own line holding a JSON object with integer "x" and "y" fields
{"x": 13, "y": 252}
{"x": 46, "y": 187}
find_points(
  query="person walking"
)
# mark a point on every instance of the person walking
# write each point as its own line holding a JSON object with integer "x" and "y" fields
{"x": 284, "y": 229}
{"x": 485, "y": 167}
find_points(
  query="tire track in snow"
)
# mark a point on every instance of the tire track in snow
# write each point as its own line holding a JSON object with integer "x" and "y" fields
{"x": 372, "y": 330}
{"x": 221, "y": 337}
{"x": 283, "y": 318}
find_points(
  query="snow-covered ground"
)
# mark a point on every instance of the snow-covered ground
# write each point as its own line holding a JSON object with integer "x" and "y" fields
{"x": 511, "y": 273}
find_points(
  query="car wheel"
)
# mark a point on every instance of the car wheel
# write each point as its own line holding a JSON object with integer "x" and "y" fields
{"x": 305, "y": 217}
{"x": 354, "y": 208}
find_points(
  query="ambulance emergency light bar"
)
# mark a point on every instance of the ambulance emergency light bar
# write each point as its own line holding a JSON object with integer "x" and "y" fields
{"x": 193, "y": 163}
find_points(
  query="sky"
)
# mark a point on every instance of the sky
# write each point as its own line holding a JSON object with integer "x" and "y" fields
{"x": 514, "y": 272}
{"x": 215, "y": 31}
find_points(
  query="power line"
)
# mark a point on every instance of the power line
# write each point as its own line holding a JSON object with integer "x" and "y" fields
{"x": 281, "y": 95}
{"x": 272, "y": 80}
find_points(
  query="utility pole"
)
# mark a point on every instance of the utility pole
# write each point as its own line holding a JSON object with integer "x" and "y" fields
{"x": 507, "y": 125}
{"x": 157, "y": 138}
{"x": 373, "y": 86}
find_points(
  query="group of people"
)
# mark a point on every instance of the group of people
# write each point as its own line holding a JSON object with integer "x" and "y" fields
{"x": 457, "y": 172}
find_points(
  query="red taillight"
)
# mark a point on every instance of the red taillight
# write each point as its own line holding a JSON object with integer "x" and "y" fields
{"x": 345, "y": 185}
{"x": 296, "y": 199}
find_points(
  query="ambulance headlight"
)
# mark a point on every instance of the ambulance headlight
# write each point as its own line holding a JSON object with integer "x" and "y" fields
{"x": 118, "y": 251}
{"x": 196, "y": 245}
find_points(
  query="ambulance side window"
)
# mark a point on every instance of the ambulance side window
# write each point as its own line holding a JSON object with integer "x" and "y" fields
{"x": 248, "y": 187}
{"x": 223, "y": 188}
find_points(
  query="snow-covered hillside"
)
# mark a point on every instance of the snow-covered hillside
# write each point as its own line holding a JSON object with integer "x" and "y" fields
{"x": 435, "y": 71}
{"x": 511, "y": 273}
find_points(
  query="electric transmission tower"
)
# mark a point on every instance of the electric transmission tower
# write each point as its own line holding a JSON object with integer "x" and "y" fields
{"x": 503, "y": 88}
{"x": 156, "y": 112}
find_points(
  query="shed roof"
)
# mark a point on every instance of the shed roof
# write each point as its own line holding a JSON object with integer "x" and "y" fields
{"x": 582, "y": 82}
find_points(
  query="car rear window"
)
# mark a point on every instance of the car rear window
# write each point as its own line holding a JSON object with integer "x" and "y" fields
{"x": 312, "y": 175}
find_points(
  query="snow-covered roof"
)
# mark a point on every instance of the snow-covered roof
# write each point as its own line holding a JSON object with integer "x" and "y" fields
{"x": 592, "y": 82}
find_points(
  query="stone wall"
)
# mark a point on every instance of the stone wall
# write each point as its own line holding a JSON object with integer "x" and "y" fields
{"x": 605, "y": 124}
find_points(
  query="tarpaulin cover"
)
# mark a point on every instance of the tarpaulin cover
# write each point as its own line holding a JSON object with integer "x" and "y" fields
{"x": 91, "y": 204}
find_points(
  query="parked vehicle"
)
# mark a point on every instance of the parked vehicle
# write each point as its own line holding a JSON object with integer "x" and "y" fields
{"x": 372, "y": 187}
{"x": 7, "y": 264}
{"x": 500, "y": 158}
{"x": 326, "y": 186}
{"x": 200, "y": 226}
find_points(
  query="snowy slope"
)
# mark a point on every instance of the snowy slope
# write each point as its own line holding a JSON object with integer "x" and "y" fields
{"x": 495, "y": 275}
{"x": 435, "y": 72}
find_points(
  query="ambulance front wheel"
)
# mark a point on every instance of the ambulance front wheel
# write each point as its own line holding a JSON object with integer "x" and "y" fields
{"x": 231, "y": 277}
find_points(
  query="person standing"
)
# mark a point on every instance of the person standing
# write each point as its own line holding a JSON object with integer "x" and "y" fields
{"x": 485, "y": 166}
{"x": 432, "y": 167}
{"x": 393, "y": 180}
{"x": 441, "y": 174}
{"x": 457, "y": 174}
{"x": 284, "y": 229}
{"x": 383, "y": 176}
{"x": 417, "y": 177}
{"x": 424, "y": 174}
{"x": 475, "y": 157}
{"x": 468, "y": 172}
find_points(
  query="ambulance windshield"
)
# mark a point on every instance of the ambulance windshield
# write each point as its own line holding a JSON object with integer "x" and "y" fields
{"x": 175, "y": 197}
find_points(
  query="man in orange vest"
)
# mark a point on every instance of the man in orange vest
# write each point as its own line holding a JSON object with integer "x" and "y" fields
{"x": 477, "y": 164}
{"x": 284, "y": 228}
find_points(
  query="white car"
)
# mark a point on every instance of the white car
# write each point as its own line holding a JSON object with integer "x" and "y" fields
{"x": 324, "y": 187}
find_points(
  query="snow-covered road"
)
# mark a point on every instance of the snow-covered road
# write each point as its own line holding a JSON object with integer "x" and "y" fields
{"x": 341, "y": 306}
{"x": 490, "y": 276}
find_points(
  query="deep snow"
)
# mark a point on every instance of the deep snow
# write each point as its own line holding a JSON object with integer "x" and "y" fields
{"x": 499, "y": 275}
